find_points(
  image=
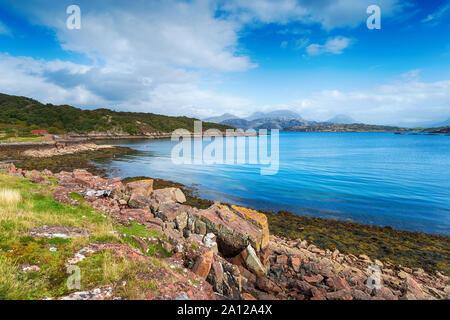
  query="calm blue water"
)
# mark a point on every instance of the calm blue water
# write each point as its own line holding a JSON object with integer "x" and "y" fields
{"x": 376, "y": 178}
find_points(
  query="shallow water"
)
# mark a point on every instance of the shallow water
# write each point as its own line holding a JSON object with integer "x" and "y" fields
{"x": 376, "y": 178}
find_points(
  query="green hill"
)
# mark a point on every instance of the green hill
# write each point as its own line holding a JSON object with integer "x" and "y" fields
{"x": 21, "y": 113}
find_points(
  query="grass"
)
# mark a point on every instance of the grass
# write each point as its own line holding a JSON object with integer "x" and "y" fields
{"x": 10, "y": 197}
{"x": 23, "y": 139}
{"x": 23, "y": 207}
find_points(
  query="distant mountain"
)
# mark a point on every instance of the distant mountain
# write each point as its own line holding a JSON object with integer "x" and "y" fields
{"x": 354, "y": 127}
{"x": 342, "y": 118}
{"x": 427, "y": 124}
{"x": 219, "y": 119}
{"x": 280, "y": 123}
{"x": 288, "y": 114}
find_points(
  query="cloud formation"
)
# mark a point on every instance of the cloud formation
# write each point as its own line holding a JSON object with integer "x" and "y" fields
{"x": 409, "y": 99}
{"x": 4, "y": 30}
{"x": 334, "y": 45}
{"x": 436, "y": 17}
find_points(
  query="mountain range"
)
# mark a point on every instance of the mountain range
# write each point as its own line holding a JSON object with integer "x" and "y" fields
{"x": 278, "y": 119}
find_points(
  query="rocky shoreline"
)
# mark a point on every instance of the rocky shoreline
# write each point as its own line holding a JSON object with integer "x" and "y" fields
{"x": 229, "y": 249}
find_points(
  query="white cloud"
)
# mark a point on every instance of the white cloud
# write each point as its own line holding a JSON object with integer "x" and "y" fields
{"x": 334, "y": 45}
{"x": 4, "y": 30}
{"x": 329, "y": 14}
{"x": 436, "y": 17}
{"x": 405, "y": 100}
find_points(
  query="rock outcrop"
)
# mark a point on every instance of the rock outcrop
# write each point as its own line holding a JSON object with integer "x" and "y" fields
{"x": 228, "y": 249}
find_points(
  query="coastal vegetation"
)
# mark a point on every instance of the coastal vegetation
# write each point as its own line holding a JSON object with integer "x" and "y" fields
{"x": 23, "y": 207}
{"x": 20, "y": 115}
{"x": 355, "y": 127}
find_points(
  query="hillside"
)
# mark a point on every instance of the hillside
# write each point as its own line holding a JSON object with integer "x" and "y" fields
{"x": 356, "y": 127}
{"x": 439, "y": 130}
{"x": 24, "y": 114}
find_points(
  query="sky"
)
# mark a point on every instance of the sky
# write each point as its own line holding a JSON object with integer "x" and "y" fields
{"x": 204, "y": 58}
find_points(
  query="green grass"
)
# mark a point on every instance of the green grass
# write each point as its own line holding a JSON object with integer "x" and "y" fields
{"x": 35, "y": 207}
{"x": 23, "y": 139}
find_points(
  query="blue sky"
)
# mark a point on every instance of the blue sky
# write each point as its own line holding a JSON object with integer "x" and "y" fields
{"x": 203, "y": 58}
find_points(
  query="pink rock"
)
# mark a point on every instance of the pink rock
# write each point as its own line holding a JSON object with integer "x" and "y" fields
{"x": 336, "y": 283}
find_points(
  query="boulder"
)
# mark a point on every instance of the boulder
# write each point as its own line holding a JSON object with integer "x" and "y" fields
{"x": 170, "y": 211}
{"x": 167, "y": 195}
{"x": 234, "y": 232}
{"x": 144, "y": 187}
{"x": 336, "y": 283}
{"x": 252, "y": 261}
{"x": 61, "y": 195}
{"x": 203, "y": 264}
{"x": 138, "y": 215}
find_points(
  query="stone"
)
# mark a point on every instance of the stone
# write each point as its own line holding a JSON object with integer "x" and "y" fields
{"x": 313, "y": 279}
{"x": 267, "y": 285}
{"x": 234, "y": 233}
{"x": 253, "y": 263}
{"x": 413, "y": 287}
{"x": 402, "y": 275}
{"x": 181, "y": 221}
{"x": 200, "y": 227}
{"x": 166, "y": 195}
{"x": 171, "y": 210}
{"x": 203, "y": 263}
{"x": 138, "y": 200}
{"x": 247, "y": 296}
{"x": 385, "y": 294}
{"x": 145, "y": 187}
{"x": 258, "y": 219}
{"x": 210, "y": 242}
{"x": 61, "y": 195}
{"x": 140, "y": 192}
{"x": 141, "y": 243}
{"x": 27, "y": 268}
{"x": 340, "y": 295}
{"x": 282, "y": 259}
{"x": 59, "y": 232}
{"x": 318, "y": 294}
{"x": 337, "y": 283}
